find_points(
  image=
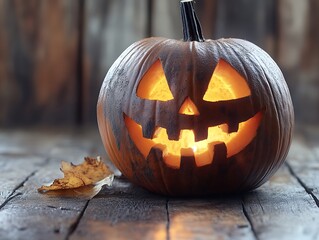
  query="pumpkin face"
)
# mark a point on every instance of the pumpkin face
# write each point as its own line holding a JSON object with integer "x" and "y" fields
{"x": 225, "y": 85}
{"x": 195, "y": 117}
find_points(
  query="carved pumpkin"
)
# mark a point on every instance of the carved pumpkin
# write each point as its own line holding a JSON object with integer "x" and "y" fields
{"x": 195, "y": 117}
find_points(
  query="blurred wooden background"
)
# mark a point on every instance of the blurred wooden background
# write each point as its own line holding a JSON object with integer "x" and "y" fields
{"x": 55, "y": 54}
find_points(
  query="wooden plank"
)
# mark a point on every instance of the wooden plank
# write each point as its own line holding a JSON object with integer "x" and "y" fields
{"x": 38, "y": 75}
{"x": 304, "y": 164}
{"x": 48, "y": 143}
{"x": 251, "y": 20}
{"x": 166, "y": 19}
{"x": 207, "y": 13}
{"x": 298, "y": 55}
{"x": 216, "y": 218}
{"x": 109, "y": 28}
{"x": 31, "y": 142}
{"x": 5, "y": 85}
{"x": 30, "y": 149}
{"x": 282, "y": 209}
{"x": 13, "y": 175}
{"x": 30, "y": 215}
{"x": 124, "y": 212}
{"x": 292, "y": 34}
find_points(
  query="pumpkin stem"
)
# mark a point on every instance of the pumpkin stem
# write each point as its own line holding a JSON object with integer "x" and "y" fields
{"x": 191, "y": 27}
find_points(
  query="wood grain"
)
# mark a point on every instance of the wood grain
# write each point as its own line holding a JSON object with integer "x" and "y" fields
{"x": 24, "y": 213}
{"x": 10, "y": 164}
{"x": 282, "y": 209}
{"x": 298, "y": 55}
{"x": 286, "y": 207}
{"x": 166, "y": 19}
{"x": 216, "y": 218}
{"x": 31, "y": 215}
{"x": 167, "y": 22}
{"x": 254, "y": 21}
{"x": 55, "y": 54}
{"x": 207, "y": 13}
{"x": 304, "y": 165}
{"x": 38, "y": 64}
{"x": 109, "y": 28}
{"x": 124, "y": 212}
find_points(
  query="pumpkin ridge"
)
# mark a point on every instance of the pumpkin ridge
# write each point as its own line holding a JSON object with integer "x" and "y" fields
{"x": 262, "y": 175}
{"x": 281, "y": 149}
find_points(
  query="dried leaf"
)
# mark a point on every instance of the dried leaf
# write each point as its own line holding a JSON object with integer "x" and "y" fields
{"x": 85, "y": 179}
{"x": 86, "y": 192}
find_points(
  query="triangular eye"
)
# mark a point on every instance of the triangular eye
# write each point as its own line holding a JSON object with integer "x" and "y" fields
{"x": 153, "y": 85}
{"x": 226, "y": 84}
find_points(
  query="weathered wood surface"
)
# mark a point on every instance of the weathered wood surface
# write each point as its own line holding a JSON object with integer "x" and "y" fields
{"x": 298, "y": 55}
{"x": 286, "y": 207}
{"x": 124, "y": 212}
{"x": 38, "y": 61}
{"x": 32, "y": 160}
{"x": 254, "y": 21}
{"x": 54, "y": 54}
{"x": 109, "y": 27}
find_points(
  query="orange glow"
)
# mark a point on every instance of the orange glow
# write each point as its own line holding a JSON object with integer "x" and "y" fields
{"x": 187, "y": 146}
{"x": 226, "y": 84}
{"x": 153, "y": 85}
{"x": 188, "y": 108}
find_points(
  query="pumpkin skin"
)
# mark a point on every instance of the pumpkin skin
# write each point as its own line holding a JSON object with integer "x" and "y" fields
{"x": 188, "y": 67}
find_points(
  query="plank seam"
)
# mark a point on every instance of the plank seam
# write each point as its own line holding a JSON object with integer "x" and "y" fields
{"x": 307, "y": 189}
{"x": 80, "y": 64}
{"x": 149, "y": 18}
{"x": 75, "y": 225}
{"x": 249, "y": 220}
{"x": 13, "y": 194}
{"x": 168, "y": 237}
{"x": 11, "y": 197}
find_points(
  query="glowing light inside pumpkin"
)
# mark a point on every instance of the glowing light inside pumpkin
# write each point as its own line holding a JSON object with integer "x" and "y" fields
{"x": 225, "y": 84}
{"x": 153, "y": 85}
{"x": 188, "y": 108}
{"x": 187, "y": 146}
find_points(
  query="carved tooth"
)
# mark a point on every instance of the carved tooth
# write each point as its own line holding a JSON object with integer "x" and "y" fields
{"x": 173, "y": 134}
{"x": 233, "y": 127}
{"x": 201, "y": 133}
{"x": 220, "y": 154}
{"x": 148, "y": 130}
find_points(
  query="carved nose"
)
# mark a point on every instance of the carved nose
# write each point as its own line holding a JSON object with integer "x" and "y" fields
{"x": 188, "y": 107}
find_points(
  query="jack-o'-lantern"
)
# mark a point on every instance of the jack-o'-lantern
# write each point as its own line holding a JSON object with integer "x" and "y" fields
{"x": 195, "y": 117}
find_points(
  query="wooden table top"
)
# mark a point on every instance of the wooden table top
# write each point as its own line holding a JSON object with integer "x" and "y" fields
{"x": 286, "y": 207}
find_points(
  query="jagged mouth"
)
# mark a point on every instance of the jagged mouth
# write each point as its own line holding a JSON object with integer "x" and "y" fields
{"x": 203, "y": 151}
